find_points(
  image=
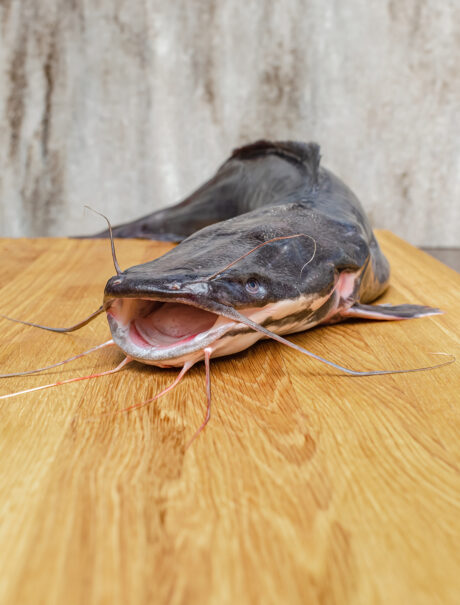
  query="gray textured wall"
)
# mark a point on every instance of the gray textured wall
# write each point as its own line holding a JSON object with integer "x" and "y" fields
{"x": 128, "y": 105}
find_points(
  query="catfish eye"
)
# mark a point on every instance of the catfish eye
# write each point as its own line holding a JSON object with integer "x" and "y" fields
{"x": 252, "y": 286}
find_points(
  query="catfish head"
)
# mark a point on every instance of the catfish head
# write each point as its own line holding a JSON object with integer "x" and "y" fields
{"x": 273, "y": 267}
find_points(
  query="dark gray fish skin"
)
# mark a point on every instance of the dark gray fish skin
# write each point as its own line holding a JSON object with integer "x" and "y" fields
{"x": 323, "y": 275}
{"x": 265, "y": 176}
{"x": 277, "y": 267}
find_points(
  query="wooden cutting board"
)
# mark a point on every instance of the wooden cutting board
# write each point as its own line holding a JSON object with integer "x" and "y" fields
{"x": 308, "y": 486}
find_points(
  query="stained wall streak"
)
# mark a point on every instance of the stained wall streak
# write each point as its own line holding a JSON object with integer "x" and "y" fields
{"x": 129, "y": 106}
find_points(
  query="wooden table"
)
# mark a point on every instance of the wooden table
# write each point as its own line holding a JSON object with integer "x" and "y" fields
{"x": 308, "y": 486}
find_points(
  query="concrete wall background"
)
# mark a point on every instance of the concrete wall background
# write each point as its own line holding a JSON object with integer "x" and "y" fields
{"x": 128, "y": 105}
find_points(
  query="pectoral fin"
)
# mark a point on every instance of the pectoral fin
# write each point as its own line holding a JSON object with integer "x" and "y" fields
{"x": 389, "y": 312}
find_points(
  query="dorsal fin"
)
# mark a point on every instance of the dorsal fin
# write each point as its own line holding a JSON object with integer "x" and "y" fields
{"x": 307, "y": 154}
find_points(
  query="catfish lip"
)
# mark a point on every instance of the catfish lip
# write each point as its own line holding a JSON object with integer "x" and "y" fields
{"x": 122, "y": 286}
{"x": 112, "y": 294}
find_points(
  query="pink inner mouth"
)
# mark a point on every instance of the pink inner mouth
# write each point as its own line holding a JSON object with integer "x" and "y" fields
{"x": 157, "y": 324}
{"x": 140, "y": 341}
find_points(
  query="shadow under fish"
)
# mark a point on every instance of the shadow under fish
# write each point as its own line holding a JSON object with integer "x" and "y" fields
{"x": 273, "y": 244}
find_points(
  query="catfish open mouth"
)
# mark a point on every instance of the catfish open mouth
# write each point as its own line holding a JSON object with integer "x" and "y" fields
{"x": 154, "y": 323}
{"x": 168, "y": 333}
{"x": 166, "y": 324}
{"x": 154, "y": 330}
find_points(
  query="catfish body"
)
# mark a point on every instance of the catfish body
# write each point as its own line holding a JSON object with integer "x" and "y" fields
{"x": 296, "y": 249}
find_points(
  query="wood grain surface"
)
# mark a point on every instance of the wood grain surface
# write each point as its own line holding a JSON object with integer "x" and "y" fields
{"x": 307, "y": 486}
